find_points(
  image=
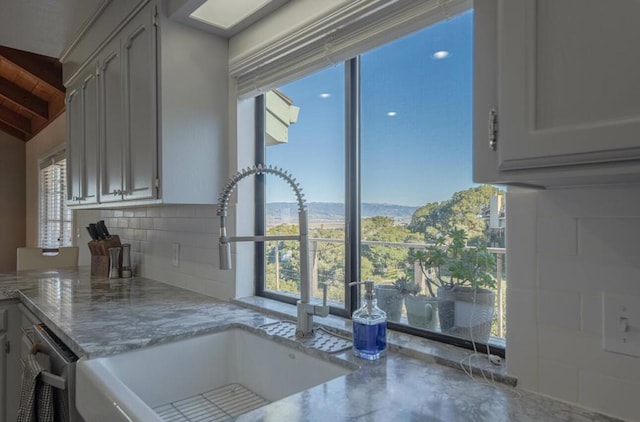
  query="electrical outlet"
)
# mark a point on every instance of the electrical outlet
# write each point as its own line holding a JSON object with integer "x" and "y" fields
{"x": 621, "y": 325}
{"x": 175, "y": 254}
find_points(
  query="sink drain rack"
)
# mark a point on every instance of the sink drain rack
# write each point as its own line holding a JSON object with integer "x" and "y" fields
{"x": 221, "y": 404}
{"x": 323, "y": 339}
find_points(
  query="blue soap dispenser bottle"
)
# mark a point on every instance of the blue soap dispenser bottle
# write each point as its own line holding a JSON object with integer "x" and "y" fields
{"x": 369, "y": 326}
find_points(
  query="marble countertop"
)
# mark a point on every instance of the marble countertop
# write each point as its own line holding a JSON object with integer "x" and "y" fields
{"x": 98, "y": 317}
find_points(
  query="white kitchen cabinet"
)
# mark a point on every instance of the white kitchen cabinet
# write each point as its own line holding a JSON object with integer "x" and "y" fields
{"x": 111, "y": 127}
{"x": 10, "y": 367}
{"x": 128, "y": 112}
{"x": 163, "y": 106}
{"x": 140, "y": 122}
{"x": 562, "y": 77}
{"x": 82, "y": 134}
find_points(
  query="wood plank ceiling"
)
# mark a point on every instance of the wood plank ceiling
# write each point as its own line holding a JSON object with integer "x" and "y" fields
{"x": 31, "y": 92}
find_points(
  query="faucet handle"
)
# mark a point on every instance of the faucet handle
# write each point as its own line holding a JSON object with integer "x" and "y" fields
{"x": 323, "y": 310}
{"x": 324, "y": 294}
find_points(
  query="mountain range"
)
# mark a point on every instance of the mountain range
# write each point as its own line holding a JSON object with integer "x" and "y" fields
{"x": 333, "y": 212}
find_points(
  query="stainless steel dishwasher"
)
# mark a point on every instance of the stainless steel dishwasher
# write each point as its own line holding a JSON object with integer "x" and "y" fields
{"x": 59, "y": 364}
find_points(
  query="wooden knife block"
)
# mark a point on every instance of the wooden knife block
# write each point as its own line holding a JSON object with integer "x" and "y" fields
{"x": 100, "y": 255}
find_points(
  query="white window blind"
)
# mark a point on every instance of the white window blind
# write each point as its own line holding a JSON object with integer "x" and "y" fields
{"x": 352, "y": 29}
{"x": 56, "y": 220}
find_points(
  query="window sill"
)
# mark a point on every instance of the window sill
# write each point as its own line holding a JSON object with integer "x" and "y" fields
{"x": 417, "y": 347}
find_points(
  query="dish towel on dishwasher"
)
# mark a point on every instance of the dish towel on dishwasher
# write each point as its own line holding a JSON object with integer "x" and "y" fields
{"x": 36, "y": 403}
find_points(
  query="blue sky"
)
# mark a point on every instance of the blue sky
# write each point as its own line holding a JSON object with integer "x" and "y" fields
{"x": 421, "y": 154}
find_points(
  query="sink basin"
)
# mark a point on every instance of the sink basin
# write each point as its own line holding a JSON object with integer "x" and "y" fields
{"x": 226, "y": 373}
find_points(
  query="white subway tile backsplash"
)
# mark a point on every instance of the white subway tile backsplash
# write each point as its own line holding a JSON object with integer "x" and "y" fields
{"x": 586, "y": 244}
{"x": 610, "y": 201}
{"x": 609, "y": 237}
{"x": 617, "y": 274}
{"x": 169, "y": 211}
{"x": 206, "y": 211}
{"x": 557, "y": 236}
{"x": 145, "y": 223}
{"x": 521, "y": 238}
{"x": 559, "y": 309}
{"x": 140, "y": 234}
{"x": 152, "y": 231}
{"x": 153, "y": 211}
{"x": 614, "y": 396}
{"x": 199, "y": 255}
{"x": 160, "y": 224}
{"x": 559, "y": 380}
{"x": 591, "y": 313}
{"x": 186, "y": 211}
{"x": 522, "y": 342}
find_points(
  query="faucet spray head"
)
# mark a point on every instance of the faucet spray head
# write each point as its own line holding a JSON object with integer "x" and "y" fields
{"x": 225, "y": 254}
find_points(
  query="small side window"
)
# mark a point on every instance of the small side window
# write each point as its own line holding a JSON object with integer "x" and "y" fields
{"x": 56, "y": 220}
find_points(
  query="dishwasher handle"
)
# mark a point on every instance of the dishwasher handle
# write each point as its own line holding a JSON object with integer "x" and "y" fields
{"x": 47, "y": 377}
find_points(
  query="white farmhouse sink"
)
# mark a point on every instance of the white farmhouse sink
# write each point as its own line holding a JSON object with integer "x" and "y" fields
{"x": 207, "y": 375}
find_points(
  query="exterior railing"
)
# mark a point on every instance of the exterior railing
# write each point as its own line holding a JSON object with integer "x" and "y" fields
{"x": 500, "y": 254}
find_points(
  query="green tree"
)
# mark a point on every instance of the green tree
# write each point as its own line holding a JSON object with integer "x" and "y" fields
{"x": 464, "y": 210}
{"x": 385, "y": 262}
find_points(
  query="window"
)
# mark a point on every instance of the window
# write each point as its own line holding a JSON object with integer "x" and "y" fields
{"x": 317, "y": 160}
{"x": 56, "y": 220}
{"x": 385, "y": 160}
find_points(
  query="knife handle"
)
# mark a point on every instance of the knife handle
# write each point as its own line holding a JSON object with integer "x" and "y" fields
{"x": 94, "y": 228}
{"x": 93, "y": 237}
{"x": 103, "y": 229}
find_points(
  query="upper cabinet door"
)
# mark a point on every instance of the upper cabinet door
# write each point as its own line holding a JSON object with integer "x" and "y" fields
{"x": 89, "y": 93}
{"x": 566, "y": 80}
{"x": 140, "y": 152}
{"x": 111, "y": 123}
{"x": 75, "y": 147}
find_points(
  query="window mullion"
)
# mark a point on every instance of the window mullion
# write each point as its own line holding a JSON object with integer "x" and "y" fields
{"x": 352, "y": 181}
{"x": 260, "y": 195}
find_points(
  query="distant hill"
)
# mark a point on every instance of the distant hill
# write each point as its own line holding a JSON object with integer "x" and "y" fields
{"x": 287, "y": 212}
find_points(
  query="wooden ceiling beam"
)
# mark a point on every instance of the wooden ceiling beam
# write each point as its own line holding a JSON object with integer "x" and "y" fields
{"x": 12, "y": 131}
{"x": 15, "y": 120}
{"x": 23, "y": 98}
{"x": 44, "y": 68}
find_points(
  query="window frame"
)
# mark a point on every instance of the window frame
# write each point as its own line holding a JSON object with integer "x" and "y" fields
{"x": 51, "y": 158}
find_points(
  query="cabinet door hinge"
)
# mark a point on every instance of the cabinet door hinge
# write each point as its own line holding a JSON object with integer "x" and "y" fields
{"x": 156, "y": 183}
{"x": 493, "y": 129}
{"x": 7, "y": 347}
{"x": 156, "y": 19}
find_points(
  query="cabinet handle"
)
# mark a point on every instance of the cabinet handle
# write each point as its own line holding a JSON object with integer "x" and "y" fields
{"x": 116, "y": 192}
{"x": 493, "y": 129}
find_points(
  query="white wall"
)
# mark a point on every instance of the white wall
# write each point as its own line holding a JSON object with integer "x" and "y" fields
{"x": 565, "y": 248}
{"x": 12, "y": 204}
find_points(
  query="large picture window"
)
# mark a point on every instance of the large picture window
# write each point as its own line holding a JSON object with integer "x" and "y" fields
{"x": 382, "y": 147}
{"x": 56, "y": 220}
